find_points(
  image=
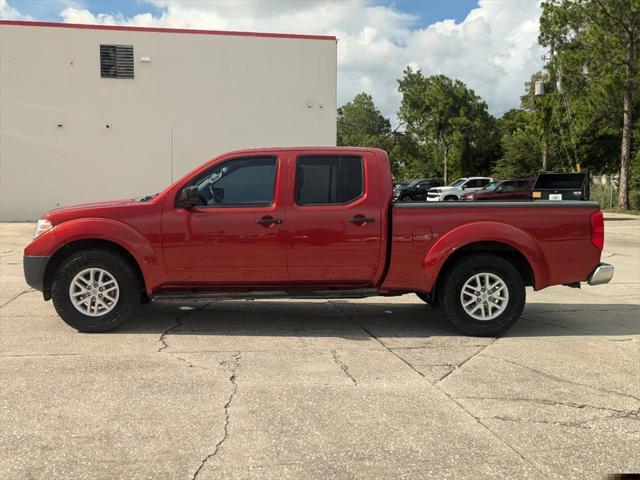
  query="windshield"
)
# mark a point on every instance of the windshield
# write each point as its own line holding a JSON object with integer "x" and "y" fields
{"x": 458, "y": 182}
{"x": 490, "y": 186}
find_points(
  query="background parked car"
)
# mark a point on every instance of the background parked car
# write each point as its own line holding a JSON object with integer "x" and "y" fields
{"x": 512, "y": 189}
{"x": 462, "y": 186}
{"x": 416, "y": 190}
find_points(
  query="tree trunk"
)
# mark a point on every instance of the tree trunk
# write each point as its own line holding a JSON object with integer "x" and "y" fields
{"x": 445, "y": 164}
{"x": 625, "y": 150}
{"x": 445, "y": 148}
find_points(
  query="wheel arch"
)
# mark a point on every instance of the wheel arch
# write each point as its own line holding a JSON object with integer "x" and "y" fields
{"x": 75, "y": 246}
{"x": 500, "y": 249}
{"x": 496, "y": 238}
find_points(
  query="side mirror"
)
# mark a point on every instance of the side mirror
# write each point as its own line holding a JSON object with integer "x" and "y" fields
{"x": 499, "y": 189}
{"x": 189, "y": 197}
{"x": 463, "y": 187}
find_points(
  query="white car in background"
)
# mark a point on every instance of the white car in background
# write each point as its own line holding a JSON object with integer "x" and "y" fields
{"x": 453, "y": 192}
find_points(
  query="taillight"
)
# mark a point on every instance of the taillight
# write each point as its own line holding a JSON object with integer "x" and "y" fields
{"x": 597, "y": 230}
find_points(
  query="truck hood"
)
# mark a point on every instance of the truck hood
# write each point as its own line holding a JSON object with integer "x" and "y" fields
{"x": 70, "y": 212}
{"x": 443, "y": 189}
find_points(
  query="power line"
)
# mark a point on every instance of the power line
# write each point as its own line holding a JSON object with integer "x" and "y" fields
{"x": 571, "y": 130}
{"x": 564, "y": 143}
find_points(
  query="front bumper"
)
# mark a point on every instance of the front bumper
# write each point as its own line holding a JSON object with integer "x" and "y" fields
{"x": 34, "y": 268}
{"x": 602, "y": 274}
{"x": 433, "y": 198}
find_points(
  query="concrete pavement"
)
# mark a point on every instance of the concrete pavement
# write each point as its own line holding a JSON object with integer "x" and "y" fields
{"x": 373, "y": 388}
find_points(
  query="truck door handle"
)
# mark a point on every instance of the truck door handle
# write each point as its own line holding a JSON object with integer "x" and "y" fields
{"x": 268, "y": 221}
{"x": 361, "y": 220}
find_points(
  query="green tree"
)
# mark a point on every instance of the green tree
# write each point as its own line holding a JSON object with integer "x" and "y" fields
{"x": 450, "y": 121}
{"x": 521, "y": 144}
{"x": 361, "y": 124}
{"x": 595, "y": 46}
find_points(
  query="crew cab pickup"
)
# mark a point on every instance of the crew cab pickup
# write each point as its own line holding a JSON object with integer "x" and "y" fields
{"x": 453, "y": 192}
{"x": 308, "y": 222}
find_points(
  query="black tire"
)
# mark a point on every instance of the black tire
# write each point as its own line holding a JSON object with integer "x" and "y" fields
{"x": 128, "y": 284}
{"x": 451, "y": 198}
{"x": 428, "y": 299}
{"x": 405, "y": 198}
{"x": 462, "y": 271}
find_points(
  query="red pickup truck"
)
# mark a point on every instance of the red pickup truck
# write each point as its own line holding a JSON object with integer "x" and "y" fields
{"x": 308, "y": 222}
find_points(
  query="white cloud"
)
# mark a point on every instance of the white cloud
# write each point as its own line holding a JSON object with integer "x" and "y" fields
{"x": 494, "y": 49}
{"x": 7, "y": 12}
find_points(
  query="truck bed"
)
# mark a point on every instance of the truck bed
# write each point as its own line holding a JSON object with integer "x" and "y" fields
{"x": 553, "y": 237}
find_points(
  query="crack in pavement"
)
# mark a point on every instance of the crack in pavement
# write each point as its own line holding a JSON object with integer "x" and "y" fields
{"x": 459, "y": 366}
{"x": 187, "y": 362}
{"x": 178, "y": 323}
{"x": 445, "y": 393}
{"x": 28, "y": 290}
{"x": 348, "y": 317}
{"x": 584, "y": 424}
{"x": 562, "y": 380}
{"x": 544, "y": 401}
{"x": 423, "y": 347}
{"x": 343, "y": 366}
{"x": 234, "y": 389}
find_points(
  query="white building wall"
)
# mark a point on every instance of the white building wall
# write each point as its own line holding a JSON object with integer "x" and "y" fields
{"x": 200, "y": 95}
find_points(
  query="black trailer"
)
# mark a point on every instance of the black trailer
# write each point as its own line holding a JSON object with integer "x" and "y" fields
{"x": 561, "y": 186}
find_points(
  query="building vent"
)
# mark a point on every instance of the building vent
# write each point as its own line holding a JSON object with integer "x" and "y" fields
{"x": 116, "y": 61}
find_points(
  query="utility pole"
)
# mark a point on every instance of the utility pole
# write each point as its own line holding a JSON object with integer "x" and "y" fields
{"x": 445, "y": 147}
{"x": 539, "y": 91}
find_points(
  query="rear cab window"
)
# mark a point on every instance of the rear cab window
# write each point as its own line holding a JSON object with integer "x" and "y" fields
{"x": 328, "y": 179}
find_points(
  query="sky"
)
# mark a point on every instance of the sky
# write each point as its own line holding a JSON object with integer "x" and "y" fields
{"x": 491, "y": 45}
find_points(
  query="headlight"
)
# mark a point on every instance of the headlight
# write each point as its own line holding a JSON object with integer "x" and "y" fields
{"x": 41, "y": 227}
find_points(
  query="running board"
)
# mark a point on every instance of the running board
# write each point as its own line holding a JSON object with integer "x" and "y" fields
{"x": 204, "y": 297}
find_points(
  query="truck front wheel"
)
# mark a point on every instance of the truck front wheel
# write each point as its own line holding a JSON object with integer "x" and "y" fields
{"x": 483, "y": 295}
{"x": 95, "y": 290}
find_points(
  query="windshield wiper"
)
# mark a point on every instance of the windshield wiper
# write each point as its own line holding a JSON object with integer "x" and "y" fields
{"x": 146, "y": 198}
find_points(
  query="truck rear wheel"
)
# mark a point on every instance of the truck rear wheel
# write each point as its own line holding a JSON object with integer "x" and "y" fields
{"x": 95, "y": 290}
{"x": 483, "y": 295}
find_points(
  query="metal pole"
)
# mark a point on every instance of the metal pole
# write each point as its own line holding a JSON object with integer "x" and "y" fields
{"x": 610, "y": 191}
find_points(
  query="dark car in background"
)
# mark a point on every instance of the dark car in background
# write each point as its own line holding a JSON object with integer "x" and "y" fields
{"x": 508, "y": 190}
{"x": 416, "y": 190}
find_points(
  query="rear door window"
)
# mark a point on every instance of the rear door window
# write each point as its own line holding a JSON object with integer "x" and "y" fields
{"x": 328, "y": 180}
